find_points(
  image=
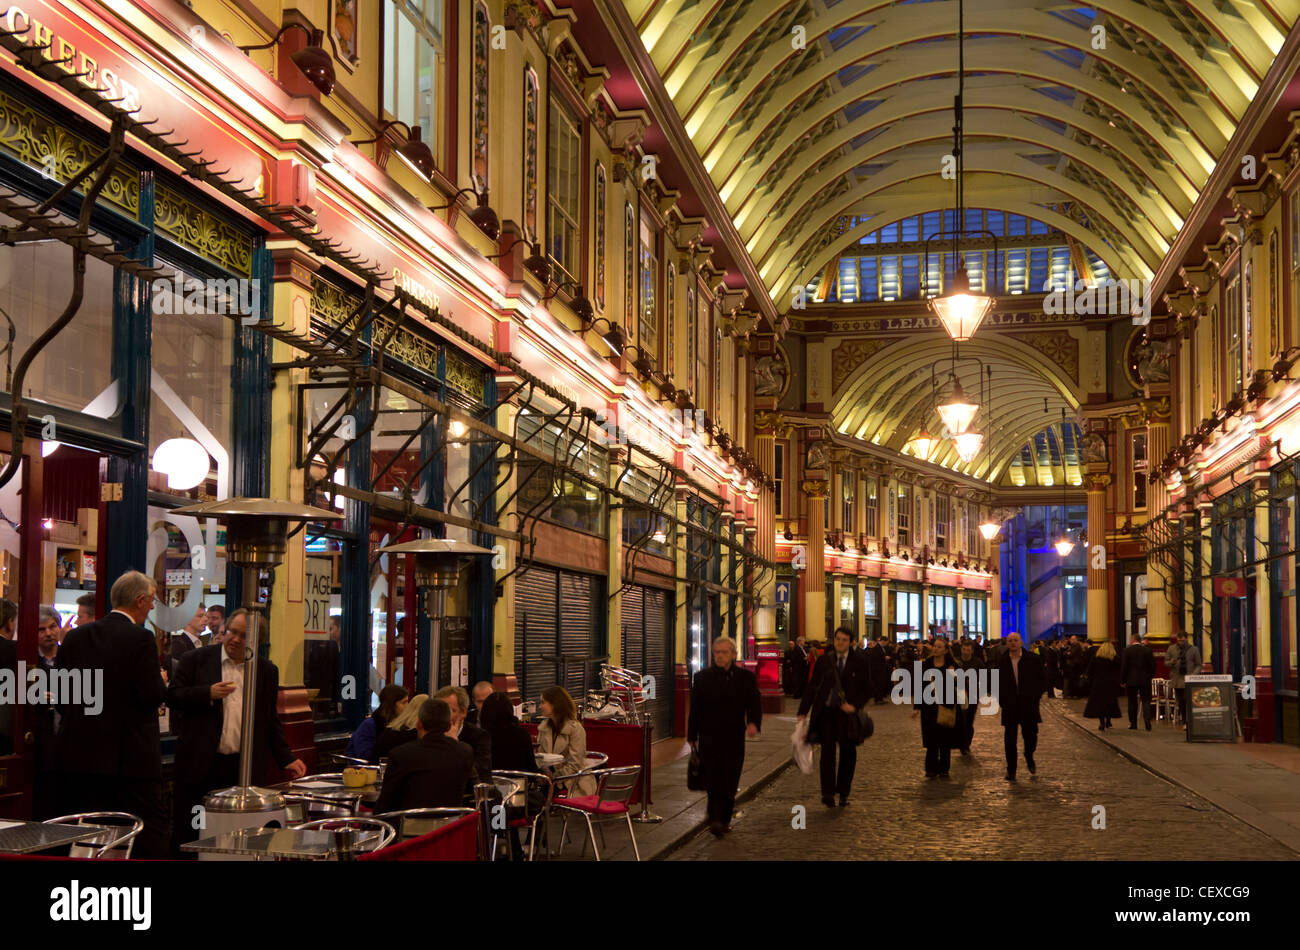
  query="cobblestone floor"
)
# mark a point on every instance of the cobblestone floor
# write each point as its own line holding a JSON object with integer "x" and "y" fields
{"x": 895, "y": 813}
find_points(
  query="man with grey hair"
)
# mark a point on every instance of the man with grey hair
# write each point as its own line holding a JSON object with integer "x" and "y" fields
{"x": 111, "y": 757}
{"x": 725, "y": 708}
{"x": 475, "y": 737}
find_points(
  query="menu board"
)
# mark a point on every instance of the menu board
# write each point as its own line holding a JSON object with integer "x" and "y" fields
{"x": 1211, "y": 708}
{"x": 454, "y": 662}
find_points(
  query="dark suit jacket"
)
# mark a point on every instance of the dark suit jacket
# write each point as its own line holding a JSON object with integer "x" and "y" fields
{"x": 1137, "y": 665}
{"x": 1020, "y": 702}
{"x": 856, "y": 680}
{"x": 480, "y": 744}
{"x": 180, "y": 645}
{"x": 432, "y": 772}
{"x": 512, "y": 749}
{"x": 8, "y": 661}
{"x": 723, "y": 702}
{"x": 123, "y": 739}
{"x": 200, "y": 725}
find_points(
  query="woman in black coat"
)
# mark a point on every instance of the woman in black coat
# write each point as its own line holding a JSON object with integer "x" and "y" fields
{"x": 939, "y": 741}
{"x": 512, "y": 751}
{"x": 1103, "y": 689}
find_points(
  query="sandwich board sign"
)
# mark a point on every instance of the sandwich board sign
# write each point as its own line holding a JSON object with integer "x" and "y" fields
{"x": 1211, "y": 708}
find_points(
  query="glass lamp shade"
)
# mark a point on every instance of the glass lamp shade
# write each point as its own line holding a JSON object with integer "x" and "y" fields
{"x": 183, "y": 461}
{"x": 961, "y": 311}
{"x": 990, "y": 530}
{"x": 922, "y": 444}
{"x": 1064, "y": 547}
{"x": 958, "y": 412}
{"x": 968, "y": 445}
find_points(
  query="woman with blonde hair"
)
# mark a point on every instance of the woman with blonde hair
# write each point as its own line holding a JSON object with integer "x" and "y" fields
{"x": 401, "y": 728}
{"x": 1103, "y": 686}
{"x": 560, "y": 733}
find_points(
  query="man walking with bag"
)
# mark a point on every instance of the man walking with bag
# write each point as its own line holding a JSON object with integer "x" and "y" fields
{"x": 725, "y": 709}
{"x": 841, "y": 686}
{"x": 1137, "y": 668}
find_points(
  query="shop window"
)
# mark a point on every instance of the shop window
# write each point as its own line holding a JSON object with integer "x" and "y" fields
{"x": 35, "y": 283}
{"x": 849, "y": 605}
{"x": 907, "y": 613}
{"x": 558, "y": 496}
{"x": 870, "y": 507}
{"x": 564, "y": 190}
{"x": 648, "y": 297}
{"x": 1281, "y": 533}
{"x": 415, "y": 66}
{"x": 778, "y": 475}
{"x": 646, "y": 521}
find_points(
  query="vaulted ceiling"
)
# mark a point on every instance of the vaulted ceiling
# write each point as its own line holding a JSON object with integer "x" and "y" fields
{"x": 822, "y": 122}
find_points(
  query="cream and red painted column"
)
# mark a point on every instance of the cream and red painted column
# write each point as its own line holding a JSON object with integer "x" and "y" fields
{"x": 1097, "y": 484}
{"x": 1159, "y": 612}
{"x": 814, "y": 491}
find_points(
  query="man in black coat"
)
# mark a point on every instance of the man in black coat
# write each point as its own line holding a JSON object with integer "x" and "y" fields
{"x": 475, "y": 737}
{"x": 796, "y": 668}
{"x": 878, "y": 668}
{"x": 1020, "y": 686}
{"x": 841, "y": 686}
{"x": 1137, "y": 667}
{"x": 190, "y": 638}
{"x": 431, "y": 772}
{"x": 725, "y": 708}
{"x": 110, "y": 753}
{"x": 208, "y": 691}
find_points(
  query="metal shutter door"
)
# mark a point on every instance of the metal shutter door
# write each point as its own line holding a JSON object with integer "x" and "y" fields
{"x": 578, "y": 625}
{"x": 659, "y": 658}
{"x": 634, "y": 629}
{"x": 535, "y": 605}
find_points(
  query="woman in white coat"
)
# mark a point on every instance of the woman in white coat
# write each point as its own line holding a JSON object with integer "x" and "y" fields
{"x": 561, "y": 733}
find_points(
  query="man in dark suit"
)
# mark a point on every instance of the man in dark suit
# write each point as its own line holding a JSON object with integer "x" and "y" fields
{"x": 431, "y": 772}
{"x": 111, "y": 756}
{"x": 1137, "y": 667}
{"x": 1020, "y": 687}
{"x": 475, "y": 737}
{"x": 725, "y": 708}
{"x": 878, "y": 665}
{"x": 796, "y": 668}
{"x": 208, "y": 691}
{"x": 44, "y": 720}
{"x": 190, "y": 638}
{"x": 841, "y": 685}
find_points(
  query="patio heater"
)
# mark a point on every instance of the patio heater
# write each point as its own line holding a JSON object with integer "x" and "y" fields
{"x": 438, "y": 562}
{"x": 256, "y": 532}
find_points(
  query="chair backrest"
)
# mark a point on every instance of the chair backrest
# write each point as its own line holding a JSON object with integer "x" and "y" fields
{"x": 349, "y": 760}
{"x": 386, "y": 831}
{"x": 114, "y": 843}
{"x": 451, "y": 841}
{"x": 531, "y": 781}
{"x": 412, "y": 822}
{"x": 617, "y": 785}
{"x": 596, "y": 760}
{"x": 302, "y": 806}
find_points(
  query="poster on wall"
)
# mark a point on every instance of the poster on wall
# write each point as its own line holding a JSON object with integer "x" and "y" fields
{"x": 317, "y": 583}
{"x": 453, "y": 665}
{"x": 1211, "y": 708}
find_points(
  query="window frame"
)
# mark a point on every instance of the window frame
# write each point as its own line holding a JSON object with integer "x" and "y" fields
{"x": 440, "y": 131}
{"x": 560, "y": 118}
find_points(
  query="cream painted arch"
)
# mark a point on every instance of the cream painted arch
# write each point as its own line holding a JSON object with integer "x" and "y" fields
{"x": 773, "y": 258}
{"x": 690, "y": 91}
{"x": 982, "y": 125}
{"x": 1211, "y": 122}
{"x": 1000, "y": 56}
{"x": 895, "y": 209}
{"x": 1003, "y": 97}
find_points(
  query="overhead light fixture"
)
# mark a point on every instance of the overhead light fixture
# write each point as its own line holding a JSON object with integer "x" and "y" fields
{"x": 1065, "y": 545}
{"x": 958, "y": 412}
{"x": 314, "y": 62}
{"x": 922, "y": 444}
{"x": 413, "y": 151}
{"x": 482, "y": 217}
{"x": 960, "y": 310}
{"x": 183, "y": 461}
{"x": 968, "y": 444}
{"x": 990, "y": 529}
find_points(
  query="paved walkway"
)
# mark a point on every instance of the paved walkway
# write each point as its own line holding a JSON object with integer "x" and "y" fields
{"x": 1256, "y": 782}
{"x": 684, "y": 811}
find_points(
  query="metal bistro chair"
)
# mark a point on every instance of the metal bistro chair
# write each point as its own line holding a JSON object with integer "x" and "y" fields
{"x": 413, "y": 822}
{"x": 120, "y": 831}
{"x": 531, "y": 781}
{"x": 386, "y": 831}
{"x": 304, "y": 806}
{"x": 614, "y": 788}
{"x": 338, "y": 758}
{"x": 595, "y": 760}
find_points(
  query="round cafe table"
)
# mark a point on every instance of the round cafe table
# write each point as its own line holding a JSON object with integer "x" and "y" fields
{"x": 548, "y": 760}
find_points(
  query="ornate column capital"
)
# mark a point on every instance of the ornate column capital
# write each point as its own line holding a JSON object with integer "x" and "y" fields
{"x": 1097, "y": 482}
{"x": 815, "y": 487}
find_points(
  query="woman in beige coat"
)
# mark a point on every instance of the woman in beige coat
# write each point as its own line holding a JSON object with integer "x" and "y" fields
{"x": 562, "y": 734}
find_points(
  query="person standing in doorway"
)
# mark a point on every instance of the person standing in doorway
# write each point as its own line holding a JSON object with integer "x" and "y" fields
{"x": 1183, "y": 660}
{"x": 725, "y": 709}
{"x": 841, "y": 685}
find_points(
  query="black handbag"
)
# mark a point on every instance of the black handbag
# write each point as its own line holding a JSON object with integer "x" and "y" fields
{"x": 695, "y": 773}
{"x": 863, "y": 727}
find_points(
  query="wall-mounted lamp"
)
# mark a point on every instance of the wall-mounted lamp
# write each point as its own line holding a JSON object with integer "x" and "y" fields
{"x": 535, "y": 263}
{"x": 413, "y": 151}
{"x": 578, "y": 303}
{"x": 483, "y": 217}
{"x": 316, "y": 64}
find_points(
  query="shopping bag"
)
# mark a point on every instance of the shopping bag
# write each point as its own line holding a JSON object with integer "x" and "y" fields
{"x": 695, "y": 773}
{"x": 946, "y": 717}
{"x": 803, "y": 752}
